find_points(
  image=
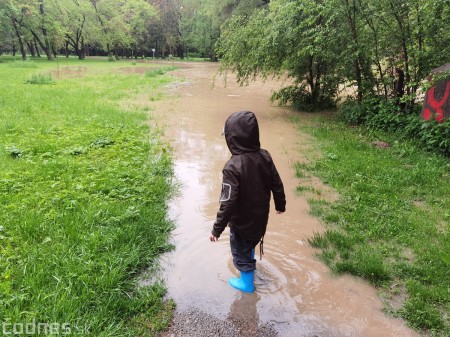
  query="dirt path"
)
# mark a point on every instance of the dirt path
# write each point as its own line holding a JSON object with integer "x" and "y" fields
{"x": 296, "y": 295}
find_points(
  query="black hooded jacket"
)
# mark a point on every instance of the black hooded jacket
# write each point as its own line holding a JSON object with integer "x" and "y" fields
{"x": 249, "y": 178}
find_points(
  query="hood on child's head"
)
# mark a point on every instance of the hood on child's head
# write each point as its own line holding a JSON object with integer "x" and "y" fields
{"x": 242, "y": 132}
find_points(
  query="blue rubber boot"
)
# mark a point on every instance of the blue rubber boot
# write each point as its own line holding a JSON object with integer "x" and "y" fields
{"x": 243, "y": 283}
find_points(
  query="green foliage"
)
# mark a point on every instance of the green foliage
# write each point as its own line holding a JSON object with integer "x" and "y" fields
{"x": 159, "y": 71}
{"x": 379, "y": 114}
{"x": 321, "y": 45}
{"x": 83, "y": 190}
{"x": 390, "y": 224}
{"x": 56, "y": 25}
{"x": 40, "y": 79}
{"x": 289, "y": 38}
{"x": 301, "y": 99}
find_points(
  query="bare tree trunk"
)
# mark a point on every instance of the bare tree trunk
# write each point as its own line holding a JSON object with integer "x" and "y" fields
{"x": 13, "y": 45}
{"x": 36, "y": 47}
{"x": 43, "y": 46}
{"x": 405, "y": 50}
{"x": 75, "y": 43}
{"x": 83, "y": 48}
{"x": 66, "y": 48}
{"x": 30, "y": 46}
{"x": 46, "y": 45}
{"x": 19, "y": 38}
{"x": 311, "y": 75}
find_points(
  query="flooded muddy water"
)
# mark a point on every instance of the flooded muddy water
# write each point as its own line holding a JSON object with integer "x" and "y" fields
{"x": 294, "y": 291}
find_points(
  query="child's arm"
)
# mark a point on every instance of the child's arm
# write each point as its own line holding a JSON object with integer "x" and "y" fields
{"x": 228, "y": 199}
{"x": 278, "y": 191}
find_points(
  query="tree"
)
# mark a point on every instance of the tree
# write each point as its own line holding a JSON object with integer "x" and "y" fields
{"x": 167, "y": 34}
{"x": 38, "y": 22}
{"x": 290, "y": 37}
{"x": 76, "y": 16}
{"x": 138, "y": 15}
{"x": 323, "y": 43}
{"x": 13, "y": 20}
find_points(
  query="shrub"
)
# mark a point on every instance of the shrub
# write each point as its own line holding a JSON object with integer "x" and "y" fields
{"x": 159, "y": 71}
{"x": 40, "y": 79}
{"x": 352, "y": 113}
{"x": 302, "y": 99}
{"x": 378, "y": 114}
{"x": 14, "y": 152}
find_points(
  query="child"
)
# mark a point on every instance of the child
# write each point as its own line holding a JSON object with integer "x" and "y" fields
{"x": 249, "y": 177}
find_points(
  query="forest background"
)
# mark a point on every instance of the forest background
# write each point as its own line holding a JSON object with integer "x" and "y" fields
{"x": 322, "y": 45}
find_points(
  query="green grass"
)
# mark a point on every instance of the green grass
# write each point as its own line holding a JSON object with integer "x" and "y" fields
{"x": 159, "y": 71}
{"x": 84, "y": 182}
{"x": 391, "y": 224}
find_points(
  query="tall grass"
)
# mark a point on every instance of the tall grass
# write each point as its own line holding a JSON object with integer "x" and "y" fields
{"x": 391, "y": 224}
{"x": 83, "y": 190}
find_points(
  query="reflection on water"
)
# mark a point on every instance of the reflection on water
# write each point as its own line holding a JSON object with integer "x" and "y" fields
{"x": 295, "y": 293}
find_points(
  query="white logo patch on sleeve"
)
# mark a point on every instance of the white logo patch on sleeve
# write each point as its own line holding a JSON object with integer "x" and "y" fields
{"x": 226, "y": 192}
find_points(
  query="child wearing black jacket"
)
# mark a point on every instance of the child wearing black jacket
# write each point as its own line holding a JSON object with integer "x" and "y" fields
{"x": 249, "y": 179}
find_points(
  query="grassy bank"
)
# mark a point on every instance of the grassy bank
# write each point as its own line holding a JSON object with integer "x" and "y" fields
{"x": 83, "y": 188}
{"x": 391, "y": 224}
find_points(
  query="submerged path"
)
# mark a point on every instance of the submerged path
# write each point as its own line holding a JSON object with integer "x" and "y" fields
{"x": 295, "y": 293}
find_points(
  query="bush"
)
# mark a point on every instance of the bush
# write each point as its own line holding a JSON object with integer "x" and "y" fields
{"x": 159, "y": 71}
{"x": 352, "y": 113}
{"x": 40, "y": 79}
{"x": 379, "y": 114}
{"x": 302, "y": 99}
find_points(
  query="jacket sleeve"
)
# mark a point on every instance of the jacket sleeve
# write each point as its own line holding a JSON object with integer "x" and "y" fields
{"x": 228, "y": 201}
{"x": 278, "y": 190}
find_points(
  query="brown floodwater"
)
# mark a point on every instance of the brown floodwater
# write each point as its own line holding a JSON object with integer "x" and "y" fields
{"x": 294, "y": 290}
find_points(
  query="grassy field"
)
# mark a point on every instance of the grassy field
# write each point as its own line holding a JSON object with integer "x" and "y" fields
{"x": 391, "y": 224}
{"x": 84, "y": 182}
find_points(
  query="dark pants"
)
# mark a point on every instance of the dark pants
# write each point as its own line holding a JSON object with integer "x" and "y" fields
{"x": 241, "y": 249}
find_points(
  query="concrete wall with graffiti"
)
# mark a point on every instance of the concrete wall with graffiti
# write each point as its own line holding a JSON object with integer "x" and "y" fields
{"x": 436, "y": 104}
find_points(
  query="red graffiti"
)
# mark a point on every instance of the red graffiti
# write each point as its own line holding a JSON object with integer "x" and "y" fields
{"x": 435, "y": 107}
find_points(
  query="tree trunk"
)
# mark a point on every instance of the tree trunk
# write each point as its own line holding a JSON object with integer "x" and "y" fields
{"x": 83, "y": 49}
{"x": 36, "y": 47}
{"x": 310, "y": 80}
{"x": 13, "y": 46}
{"x": 19, "y": 38}
{"x": 405, "y": 50}
{"x": 46, "y": 47}
{"x": 66, "y": 48}
{"x": 30, "y": 46}
{"x": 43, "y": 46}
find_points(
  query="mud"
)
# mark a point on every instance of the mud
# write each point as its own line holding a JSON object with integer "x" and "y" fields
{"x": 69, "y": 72}
{"x": 296, "y": 294}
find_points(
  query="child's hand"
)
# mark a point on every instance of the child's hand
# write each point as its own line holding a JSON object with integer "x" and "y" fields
{"x": 212, "y": 238}
{"x": 278, "y": 212}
